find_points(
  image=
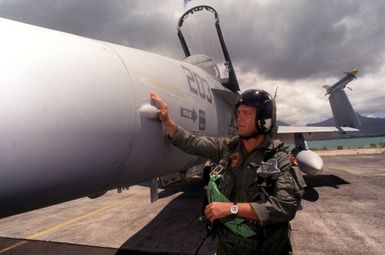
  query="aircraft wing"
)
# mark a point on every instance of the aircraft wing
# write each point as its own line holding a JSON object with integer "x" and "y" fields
{"x": 285, "y": 133}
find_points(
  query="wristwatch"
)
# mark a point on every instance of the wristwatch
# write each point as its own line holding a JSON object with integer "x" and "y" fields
{"x": 234, "y": 209}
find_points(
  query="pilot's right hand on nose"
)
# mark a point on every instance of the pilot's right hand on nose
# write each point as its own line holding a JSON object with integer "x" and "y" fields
{"x": 163, "y": 114}
{"x": 162, "y": 107}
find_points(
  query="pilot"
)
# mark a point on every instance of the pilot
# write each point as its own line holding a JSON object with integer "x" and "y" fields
{"x": 263, "y": 203}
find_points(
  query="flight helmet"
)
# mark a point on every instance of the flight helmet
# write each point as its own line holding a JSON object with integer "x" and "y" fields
{"x": 265, "y": 119}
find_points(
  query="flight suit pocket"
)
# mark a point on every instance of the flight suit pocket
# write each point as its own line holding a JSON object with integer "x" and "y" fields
{"x": 226, "y": 185}
{"x": 286, "y": 186}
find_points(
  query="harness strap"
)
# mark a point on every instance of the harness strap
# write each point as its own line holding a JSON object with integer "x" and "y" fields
{"x": 236, "y": 224}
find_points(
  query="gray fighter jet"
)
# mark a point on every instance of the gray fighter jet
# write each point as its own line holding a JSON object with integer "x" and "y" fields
{"x": 343, "y": 112}
{"x": 76, "y": 118}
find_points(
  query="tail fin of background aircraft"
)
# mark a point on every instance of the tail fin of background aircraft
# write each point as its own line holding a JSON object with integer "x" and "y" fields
{"x": 343, "y": 112}
{"x": 354, "y": 72}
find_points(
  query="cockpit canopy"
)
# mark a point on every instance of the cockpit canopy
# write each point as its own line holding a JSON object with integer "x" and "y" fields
{"x": 205, "y": 63}
{"x": 203, "y": 44}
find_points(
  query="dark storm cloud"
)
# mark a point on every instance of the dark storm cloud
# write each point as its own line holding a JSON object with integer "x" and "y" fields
{"x": 307, "y": 39}
{"x": 88, "y": 18}
{"x": 138, "y": 24}
{"x": 286, "y": 40}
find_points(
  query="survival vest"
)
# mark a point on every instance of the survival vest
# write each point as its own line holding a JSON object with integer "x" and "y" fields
{"x": 267, "y": 170}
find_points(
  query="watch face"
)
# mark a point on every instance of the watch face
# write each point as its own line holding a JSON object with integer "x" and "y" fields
{"x": 234, "y": 209}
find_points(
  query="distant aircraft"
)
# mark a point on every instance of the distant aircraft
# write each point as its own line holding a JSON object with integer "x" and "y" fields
{"x": 76, "y": 118}
{"x": 343, "y": 112}
{"x": 345, "y": 119}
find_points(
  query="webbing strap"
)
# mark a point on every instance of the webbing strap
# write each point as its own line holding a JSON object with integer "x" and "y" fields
{"x": 236, "y": 224}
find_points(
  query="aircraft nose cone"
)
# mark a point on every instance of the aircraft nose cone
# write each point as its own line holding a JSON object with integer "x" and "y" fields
{"x": 67, "y": 117}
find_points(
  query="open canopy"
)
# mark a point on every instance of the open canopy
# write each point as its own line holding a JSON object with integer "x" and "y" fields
{"x": 202, "y": 35}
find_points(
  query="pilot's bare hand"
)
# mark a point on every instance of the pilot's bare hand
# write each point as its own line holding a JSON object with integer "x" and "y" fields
{"x": 162, "y": 107}
{"x": 217, "y": 210}
{"x": 163, "y": 114}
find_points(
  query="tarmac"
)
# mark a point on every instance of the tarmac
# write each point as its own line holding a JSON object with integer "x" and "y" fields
{"x": 342, "y": 213}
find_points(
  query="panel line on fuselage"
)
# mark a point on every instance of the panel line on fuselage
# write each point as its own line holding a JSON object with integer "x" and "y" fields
{"x": 168, "y": 88}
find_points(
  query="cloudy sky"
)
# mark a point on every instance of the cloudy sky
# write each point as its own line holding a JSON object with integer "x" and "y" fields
{"x": 297, "y": 45}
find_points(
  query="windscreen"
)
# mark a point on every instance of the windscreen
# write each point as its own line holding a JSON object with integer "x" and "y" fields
{"x": 199, "y": 32}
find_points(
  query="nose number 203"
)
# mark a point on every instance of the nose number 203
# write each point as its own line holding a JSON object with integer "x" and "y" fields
{"x": 198, "y": 85}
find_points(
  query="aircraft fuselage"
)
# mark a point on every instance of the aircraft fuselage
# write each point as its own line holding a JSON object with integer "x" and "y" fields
{"x": 76, "y": 116}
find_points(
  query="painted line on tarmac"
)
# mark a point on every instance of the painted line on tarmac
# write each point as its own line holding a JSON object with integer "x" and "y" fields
{"x": 13, "y": 246}
{"x": 55, "y": 228}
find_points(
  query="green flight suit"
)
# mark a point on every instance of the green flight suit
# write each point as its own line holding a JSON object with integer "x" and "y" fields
{"x": 275, "y": 206}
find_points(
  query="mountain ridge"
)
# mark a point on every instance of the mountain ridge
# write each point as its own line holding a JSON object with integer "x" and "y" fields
{"x": 369, "y": 126}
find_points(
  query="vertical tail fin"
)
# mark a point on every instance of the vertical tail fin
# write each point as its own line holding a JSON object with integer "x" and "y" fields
{"x": 343, "y": 112}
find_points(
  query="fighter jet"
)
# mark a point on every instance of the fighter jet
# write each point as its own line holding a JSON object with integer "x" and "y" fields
{"x": 341, "y": 84}
{"x": 76, "y": 117}
{"x": 345, "y": 118}
{"x": 343, "y": 112}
